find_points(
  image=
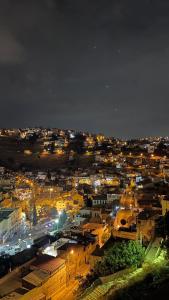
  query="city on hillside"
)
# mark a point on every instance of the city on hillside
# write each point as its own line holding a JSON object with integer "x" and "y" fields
{"x": 82, "y": 216}
{"x": 84, "y": 149}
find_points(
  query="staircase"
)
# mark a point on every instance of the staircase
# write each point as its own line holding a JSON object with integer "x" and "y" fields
{"x": 99, "y": 292}
{"x": 154, "y": 250}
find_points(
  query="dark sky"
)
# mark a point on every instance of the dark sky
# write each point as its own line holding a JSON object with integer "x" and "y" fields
{"x": 96, "y": 65}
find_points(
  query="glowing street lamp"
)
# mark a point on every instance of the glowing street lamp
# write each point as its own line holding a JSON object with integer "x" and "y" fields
{"x": 50, "y": 190}
{"x": 71, "y": 252}
{"x": 57, "y": 222}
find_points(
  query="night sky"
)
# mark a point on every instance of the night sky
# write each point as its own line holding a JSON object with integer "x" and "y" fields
{"x": 96, "y": 65}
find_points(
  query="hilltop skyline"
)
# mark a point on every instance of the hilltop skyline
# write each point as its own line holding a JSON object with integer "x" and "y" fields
{"x": 100, "y": 66}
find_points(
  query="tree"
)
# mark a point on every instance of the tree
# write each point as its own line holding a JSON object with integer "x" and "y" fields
{"x": 161, "y": 149}
{"x": 33, "y": 138}
{"x": 120, "y": 256}
{"x": 88, "y": 202}
{"x": 52, "y": 148}
{"x": 77, "y": 144}
{"x": 34, "y": 217}
{"x": 53, "y": 212}
{"x": 62, "y": 219}
{"x": 54, "y": 137}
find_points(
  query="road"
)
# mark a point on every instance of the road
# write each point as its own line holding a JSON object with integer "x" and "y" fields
{"x": 24, "y": 239}
{"x": 69, "y": 293}
{"x": 26, "y": 236}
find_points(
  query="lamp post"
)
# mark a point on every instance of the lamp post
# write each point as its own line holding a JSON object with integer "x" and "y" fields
{"x": 50, "y": 190}
{"x": 68, "y": 266}
{"x": 58, "y": 219}
{"x": 57, "y": 222}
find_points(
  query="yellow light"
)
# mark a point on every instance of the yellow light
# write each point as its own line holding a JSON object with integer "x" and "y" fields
{"x": 71, "y": 252}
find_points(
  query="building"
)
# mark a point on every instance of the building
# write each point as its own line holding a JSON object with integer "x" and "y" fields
{"x": 98, "y": 253}
{"x": 76, "y": 252}
{"x": 146, "y": 225}
{"x": 10, "y": 222}
{"x": 165, "y": 205}
{"x": 99, "y": 200}
{"x": 101, "y": 231}
{"x": 45, "y": 278}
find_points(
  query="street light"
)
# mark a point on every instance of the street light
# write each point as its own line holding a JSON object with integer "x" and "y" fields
{"x": 68, "y": 266}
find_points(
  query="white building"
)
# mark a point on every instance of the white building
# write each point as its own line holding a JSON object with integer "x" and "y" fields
{"x": 10, "y": 222}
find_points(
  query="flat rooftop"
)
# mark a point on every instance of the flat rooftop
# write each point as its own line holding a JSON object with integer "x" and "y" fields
{"x": 16, "y": 295}
{"x": 47, "y": 263}
{"x": 92, "y": 226}
{"x": 36, "y": 277}
{"x": 12, "y": 296}
{"x": 5, "y": 212}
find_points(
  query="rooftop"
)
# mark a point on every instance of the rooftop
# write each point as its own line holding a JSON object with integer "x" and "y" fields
{"x": 48, "y": 263}
{"x": 5, "y": 212}
{"x": 16, "y": 295}
{"x": 92, "y": 226}
{"x": 12, "y": 296}
{"x": 146, "y": 214}
{"x": 100, "y": 197}
{"x": 36, "y": 277}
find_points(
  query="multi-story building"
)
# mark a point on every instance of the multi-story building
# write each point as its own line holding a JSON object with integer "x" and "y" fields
{"x": 45, "y": 279}
{"x": 10, "y": 222}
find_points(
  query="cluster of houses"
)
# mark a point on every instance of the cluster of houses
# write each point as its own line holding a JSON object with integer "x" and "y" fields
{"x": 123, "y": 193}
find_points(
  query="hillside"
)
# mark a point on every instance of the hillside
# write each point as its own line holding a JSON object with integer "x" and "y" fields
{"x": 12, "y": 155}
